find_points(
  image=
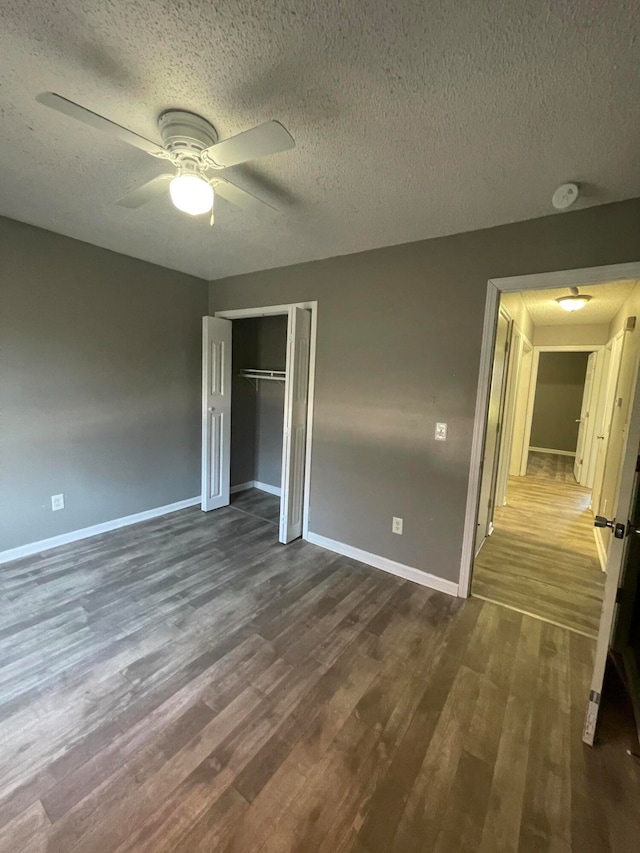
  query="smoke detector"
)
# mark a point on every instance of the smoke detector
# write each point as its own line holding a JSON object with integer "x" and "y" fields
{"x": 565, "y": 196}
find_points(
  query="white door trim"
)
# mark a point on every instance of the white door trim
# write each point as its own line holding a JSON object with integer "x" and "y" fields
{"x": 268, "y": 311}
{"x": 496, "y": 286}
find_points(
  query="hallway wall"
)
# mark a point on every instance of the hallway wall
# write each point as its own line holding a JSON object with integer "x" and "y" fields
{"x": 558, "y": 400}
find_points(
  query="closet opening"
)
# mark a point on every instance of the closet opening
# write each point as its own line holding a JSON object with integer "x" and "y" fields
{"x": 257, "y": 411}
{"x": 259, "y": 353}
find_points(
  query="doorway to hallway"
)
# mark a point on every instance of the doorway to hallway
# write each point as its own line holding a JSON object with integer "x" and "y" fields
{"x": 556, "y": 408}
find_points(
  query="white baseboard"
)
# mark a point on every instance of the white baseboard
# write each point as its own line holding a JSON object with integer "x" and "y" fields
{"x": 398, "y": 569}
{"x": 601, "y": 548}
{"x": 265, "y": 487}
{"x": 256, "y": 484}
{"x": 94, "y": 530}
{"x": 551, "y": 450}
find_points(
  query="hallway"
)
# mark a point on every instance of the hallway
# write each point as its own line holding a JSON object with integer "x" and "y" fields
{"x": 541, "y": 558}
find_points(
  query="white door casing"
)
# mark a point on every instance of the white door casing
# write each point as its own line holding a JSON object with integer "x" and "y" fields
{"x": 295, "y": 424}
{"x": 585, "y": 421}
{"x": 615, "y": 561}
{"x": 216, "y": 412}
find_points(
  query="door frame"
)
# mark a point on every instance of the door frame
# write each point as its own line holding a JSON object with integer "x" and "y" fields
{"x": 533, "y": 384}
{"x": 496, "y": 286}
{"x": 274, "y": 310}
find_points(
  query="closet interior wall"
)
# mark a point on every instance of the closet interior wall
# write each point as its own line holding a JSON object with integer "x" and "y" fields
{"x": 257, "y": 409}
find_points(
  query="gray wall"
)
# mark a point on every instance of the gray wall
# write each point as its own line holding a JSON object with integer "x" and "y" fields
{"x": 99, "y": 384}
{"x": 558, "y": 400}
{"x": 243, "y": 402}
{"x": 272, "y": 353}
{"x": 399, "y": 334}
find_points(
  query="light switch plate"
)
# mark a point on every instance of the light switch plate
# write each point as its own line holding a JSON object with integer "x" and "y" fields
{"x": 441, "y": 432}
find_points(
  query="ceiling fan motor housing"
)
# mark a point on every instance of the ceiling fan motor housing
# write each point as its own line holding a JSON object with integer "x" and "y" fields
{"x": 185, "y": 136}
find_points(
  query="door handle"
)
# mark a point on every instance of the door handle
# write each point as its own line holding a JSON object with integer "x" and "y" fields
{"x": 599, "y": 437}
{"x": 212, "y": 408}
{"x": 578, "y": 420}
{"x": 618, "y": 529}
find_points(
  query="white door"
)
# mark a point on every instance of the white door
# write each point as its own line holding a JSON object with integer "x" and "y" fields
{"x": 493, "y": 432}
{"x": 603, "y": 426}
{"x": 619, "y": 527}
{"x": 513, "y": 372}
{"x": 295, "y": 424}
{"x": 216, "y": 412}
{"x": 585, "y": 424}
{"x": 520, "y": 453}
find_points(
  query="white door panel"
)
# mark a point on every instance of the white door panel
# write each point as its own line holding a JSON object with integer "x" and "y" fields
{"x": 585, "y": 410}
{"x": 295, "y": 424}
{"x": 216, "y": 412}
{"x": 493, "y": 432}
{"x": 617, "y": 551}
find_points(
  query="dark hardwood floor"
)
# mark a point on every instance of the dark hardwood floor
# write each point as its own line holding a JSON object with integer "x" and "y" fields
{"x": 188, "y": 684}
{"x": 258, "y": 503}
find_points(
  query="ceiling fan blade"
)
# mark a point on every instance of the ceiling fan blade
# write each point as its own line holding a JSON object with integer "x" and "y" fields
{"x": 69, "y": 108}
{"x": 141, "y": 195}
{"x": 268, "y": 138}
{"x": 241, "y": 198}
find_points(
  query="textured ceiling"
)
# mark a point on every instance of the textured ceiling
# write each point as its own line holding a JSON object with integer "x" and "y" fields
{"x": 606, "y": 301}
{"x": 413, "y": 119}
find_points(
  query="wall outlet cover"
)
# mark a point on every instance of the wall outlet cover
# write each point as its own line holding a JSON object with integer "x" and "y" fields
{"x": 396, "y": 526}
{"x": 57, "y": 502}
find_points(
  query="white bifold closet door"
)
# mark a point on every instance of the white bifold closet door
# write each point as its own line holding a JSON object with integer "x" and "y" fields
{"x": 294, "y": 437}
{"x": 216, "y": 412}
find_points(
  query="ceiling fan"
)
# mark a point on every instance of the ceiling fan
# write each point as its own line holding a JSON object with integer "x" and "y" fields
{"x": 190, "y": 144}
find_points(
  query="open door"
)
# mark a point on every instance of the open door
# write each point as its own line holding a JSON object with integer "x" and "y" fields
{"x": 216, "y": 412}
{"x": 584, "y": 430}
{"x": 295, "y": 424}
{"x": 493, "y": 433}
{"x": 622, "y": 533}
{"x": 626, "y": 637}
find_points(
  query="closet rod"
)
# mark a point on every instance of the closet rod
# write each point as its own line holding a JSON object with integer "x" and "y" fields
{"x": 273, "y": 375}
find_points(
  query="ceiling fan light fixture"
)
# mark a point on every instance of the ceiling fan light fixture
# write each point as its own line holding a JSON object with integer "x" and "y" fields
{"x": 574, "y": 302}
{"x": 191, "y": 194}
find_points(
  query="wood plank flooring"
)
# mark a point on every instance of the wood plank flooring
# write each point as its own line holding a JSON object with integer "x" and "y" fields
{"x": 542, "y": 557}
{"x": 188, "y": 684}
{"x": 551, "y": 466}
{"x": 257, "y": 503}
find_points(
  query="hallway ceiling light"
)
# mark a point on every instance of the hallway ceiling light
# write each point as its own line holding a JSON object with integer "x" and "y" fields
{"x": 574, "y": 302}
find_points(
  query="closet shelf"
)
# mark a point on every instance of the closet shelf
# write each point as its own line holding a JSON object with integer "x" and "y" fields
{"x": 255, "y": 375}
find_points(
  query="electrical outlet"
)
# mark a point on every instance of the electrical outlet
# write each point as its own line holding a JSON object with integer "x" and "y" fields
{"x": 57, "y": 502}
{"x": 396, "y": 526}
{"x": 441, "y": 432}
